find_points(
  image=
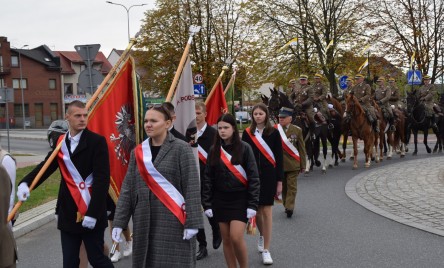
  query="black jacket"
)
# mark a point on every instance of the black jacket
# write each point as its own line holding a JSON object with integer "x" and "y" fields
{"x": 205, "y": 141}
{"x": 90, "y": 156}
{"x": 218, "y": 178}
{"x": 178, "y": 135}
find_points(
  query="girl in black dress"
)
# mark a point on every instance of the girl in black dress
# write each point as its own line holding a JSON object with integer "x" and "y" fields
{"x": 266, "y": 143}
{"x": 231, "y": 189}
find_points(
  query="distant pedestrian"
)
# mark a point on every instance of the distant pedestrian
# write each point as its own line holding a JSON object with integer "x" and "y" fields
{"x": 231, "y": 189}
{"x": 81, "y": 205}
{"x": 267, "y": 149}
{"x": 161, "y": 194}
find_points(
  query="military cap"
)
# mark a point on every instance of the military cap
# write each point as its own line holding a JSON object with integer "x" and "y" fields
{"x": 381, "y": 79}
{"x": 292, "y": 81}
{"x": 303, "y": 77}
{"x": 318, "y": 75}
{"x": 349, "y": 80}
{"x": 285, "y": 111}
{"x": 427, "y": 77}
{"x": 392, "y": 79}
{"x": 359, "y": 76}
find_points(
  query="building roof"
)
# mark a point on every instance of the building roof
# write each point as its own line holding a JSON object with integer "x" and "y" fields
{"x": 41, "y": 54}
{"x": 68, "y": 57}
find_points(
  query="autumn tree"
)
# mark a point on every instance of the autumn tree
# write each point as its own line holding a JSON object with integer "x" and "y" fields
{"x": 406, "y": 27}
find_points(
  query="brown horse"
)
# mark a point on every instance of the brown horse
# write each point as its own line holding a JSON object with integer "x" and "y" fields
{"x": 399, "y": 136}
{"x": 361, "y": 129}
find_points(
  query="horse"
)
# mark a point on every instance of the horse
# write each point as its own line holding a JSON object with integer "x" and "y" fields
{"x": 361, "y": 128}
{"x": 399, "y": 136}
{"x": 417, "y": 121}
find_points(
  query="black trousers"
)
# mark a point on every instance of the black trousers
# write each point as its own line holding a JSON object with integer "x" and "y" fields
{"x": 93, "y": 241}
{"x": 201, "y": 238}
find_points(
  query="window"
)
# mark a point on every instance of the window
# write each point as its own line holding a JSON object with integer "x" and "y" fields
{"x": 18, "y": 110}
{"x": 16, "y": 84}
{"x": 68, "y": 88}
{"x": 52, "y": 84}
{"x": 14, "y": 61}
{"x": 53, "y": 111}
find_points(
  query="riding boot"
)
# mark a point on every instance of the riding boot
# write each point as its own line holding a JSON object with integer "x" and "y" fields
{"x": 433, "y": 123}
{"x": 392, "y": 124}
{"x": 376, "y": 125}
{"x": 312, "y": 130}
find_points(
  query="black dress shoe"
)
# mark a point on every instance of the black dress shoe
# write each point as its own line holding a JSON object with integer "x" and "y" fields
{"x": 289, "y": 213}
{"x": 202, "y": 253}
{"x": 217, "y": 240}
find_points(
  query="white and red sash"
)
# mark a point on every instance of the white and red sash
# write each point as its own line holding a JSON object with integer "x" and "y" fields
{"x": 79, "y": 188}
{"x": 237, "y": 170}
{"x": 262, "y": 146}
{"x": 158, "y": 184}
{"x": 202, "y": 154}
{"x": 287, "y": 145}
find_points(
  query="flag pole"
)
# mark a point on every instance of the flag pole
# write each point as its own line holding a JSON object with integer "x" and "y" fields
{"x": 193, "y": 29}
{"x": 230, "y": 82}
{"x": 37, "y": 178}
{"x": 215, "y": 84}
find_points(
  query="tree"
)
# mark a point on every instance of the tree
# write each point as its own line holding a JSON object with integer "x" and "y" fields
{"x": 404, "y": 27}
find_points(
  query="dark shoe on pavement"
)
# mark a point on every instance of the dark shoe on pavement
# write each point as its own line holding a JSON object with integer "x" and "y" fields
{"x": 289, "y": 213}
{"x": 217, "y": 240}
{"x": 202, "y": 253}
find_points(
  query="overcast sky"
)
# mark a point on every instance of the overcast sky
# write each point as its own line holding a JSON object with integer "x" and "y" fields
{"x": 62, "y": 24}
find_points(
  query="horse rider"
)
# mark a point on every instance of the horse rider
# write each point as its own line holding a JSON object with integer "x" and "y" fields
{"x": 320, "y": 97}
{"x": 362, "y": 92}
{"x": 382, "y": 97}
{"x": 426, "y": 95}
{"x": 303, "y": 99}
{"x": 395, "y": 97}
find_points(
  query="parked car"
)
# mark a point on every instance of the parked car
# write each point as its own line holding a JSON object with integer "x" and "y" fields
{"x": 57, "y": 128}
{"x": 243, "y": 116}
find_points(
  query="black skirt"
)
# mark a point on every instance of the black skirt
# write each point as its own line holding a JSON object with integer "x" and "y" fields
{"x": 229, "y": 206}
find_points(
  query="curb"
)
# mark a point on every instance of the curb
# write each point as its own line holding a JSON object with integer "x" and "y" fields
{"x": 34, "y": 218}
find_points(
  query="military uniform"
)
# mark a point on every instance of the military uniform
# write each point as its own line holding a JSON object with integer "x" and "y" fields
{"x": 382, "y": 97}
{"x": 304, "y": 97}
{"x": 362, "y": 92}
{"x": 320, "y": 97}
{"x": 426, "y": 95}
{"x": 395, "y": 96}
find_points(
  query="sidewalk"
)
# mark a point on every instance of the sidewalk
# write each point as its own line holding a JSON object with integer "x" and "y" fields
{"x": 409, "y": 192}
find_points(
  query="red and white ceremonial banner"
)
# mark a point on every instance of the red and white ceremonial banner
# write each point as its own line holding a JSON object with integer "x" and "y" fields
{"x": 287, "y": 145}
{"x": 262, "y": 146}
{"x": 237, "y": 170}
{"x": 79, "y": 188}
{"x": 158, "y": 184}
{"x": 117, "y": 116}
{"x": 216, "y": 105}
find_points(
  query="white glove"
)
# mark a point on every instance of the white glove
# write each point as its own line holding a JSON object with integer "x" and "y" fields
{"x": 23, "y": 192}
{"x": 393, "y": 106}
{"x": 315, "y": 110}
{"x": 115, "y": 235}
{"x": 330, "y": 106}
{"x": 345, "y": 114}
{"x": 89, "y": 222}
{"x": 209, "y": 213}
{"x": 251, "y": 213}
{"x": 189, "y": 233}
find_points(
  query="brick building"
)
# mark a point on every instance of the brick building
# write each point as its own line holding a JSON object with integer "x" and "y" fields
{"x": 40, "y": 71}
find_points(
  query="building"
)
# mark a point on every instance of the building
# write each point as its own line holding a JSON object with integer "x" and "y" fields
{"x": 39, "y": 72}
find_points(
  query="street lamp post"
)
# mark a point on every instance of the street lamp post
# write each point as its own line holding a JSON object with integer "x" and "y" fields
{"x": 20, "y": 84}
{"x": 127, "y": 13}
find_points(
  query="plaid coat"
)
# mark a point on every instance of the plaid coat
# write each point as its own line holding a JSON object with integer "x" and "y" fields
{"x": 158, "y": 234}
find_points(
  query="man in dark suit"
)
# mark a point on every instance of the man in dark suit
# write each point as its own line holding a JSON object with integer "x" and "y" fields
{"x": 205, "y": 134}
{"x": 170, "y": 107}
{"x": 81, "y": 205}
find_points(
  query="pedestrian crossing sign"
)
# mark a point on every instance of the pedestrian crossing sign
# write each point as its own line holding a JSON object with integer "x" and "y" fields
{"x": 414, "y": 77}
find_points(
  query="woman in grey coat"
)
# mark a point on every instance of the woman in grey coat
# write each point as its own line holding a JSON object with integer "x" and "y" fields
{"x": 163, "y": 236}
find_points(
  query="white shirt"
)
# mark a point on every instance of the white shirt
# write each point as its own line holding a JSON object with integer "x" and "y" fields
{"x": 201, "y": 131}
{"x": 259, "y": 132}
{"x": 74, "y": 140}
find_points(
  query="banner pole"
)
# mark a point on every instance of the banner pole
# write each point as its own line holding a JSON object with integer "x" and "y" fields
{"x": 37, "y": 178}
{"x": 215, "y": 84}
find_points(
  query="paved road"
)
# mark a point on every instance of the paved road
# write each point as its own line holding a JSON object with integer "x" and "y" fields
{"x": 328, "y": 229}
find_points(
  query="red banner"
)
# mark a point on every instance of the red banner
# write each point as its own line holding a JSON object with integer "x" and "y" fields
{"x": 217, "y": 105}
{"x": 116, "y": 116}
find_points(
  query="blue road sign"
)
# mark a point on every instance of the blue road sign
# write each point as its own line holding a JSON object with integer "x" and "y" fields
{"x": 199, "y": 89}
{"x": 414, "y": 77}
{"x": 343, "y": 82}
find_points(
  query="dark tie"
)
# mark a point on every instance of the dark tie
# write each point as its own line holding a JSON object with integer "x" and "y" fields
{"x": 68, "y": 144}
